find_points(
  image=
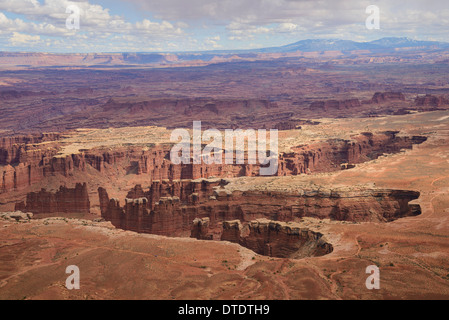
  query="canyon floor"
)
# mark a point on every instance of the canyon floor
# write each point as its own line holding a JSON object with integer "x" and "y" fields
{"x": 412, "y": 252}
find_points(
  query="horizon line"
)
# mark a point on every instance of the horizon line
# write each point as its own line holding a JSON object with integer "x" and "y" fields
{"x": 216, "y": 50}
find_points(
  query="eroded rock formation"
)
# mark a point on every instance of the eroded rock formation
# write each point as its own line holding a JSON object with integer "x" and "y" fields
{"x": 65, "y": 200}
{"x": 207, "y": 210}
{"x": 216, "y": 113}
{"x": 381, "y": 97}
{"x": 287, "y": 125}
{"x": 276, "y": 239}
{"x": 201, "y": 229}
{"x": 331, "y": 155}
{"x": 173, "y": 215}
{"x": 431, "y": 101}
{"x": 341, "y": 108}
{"x": 335, "y": 105}
{"x": 25, "y": 161}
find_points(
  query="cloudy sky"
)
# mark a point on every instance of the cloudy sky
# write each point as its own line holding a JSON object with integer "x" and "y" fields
{"x": 191, "y": 25}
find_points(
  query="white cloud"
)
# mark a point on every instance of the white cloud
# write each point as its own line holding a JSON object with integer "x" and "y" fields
{"x": 244, "y": 31}
{"x": 18, "y": 25}
{"x": 313, "y": 17}
{"x": 212, "y": 43}
{"x": 20, "y": 39}
{"x": 287, "y": 27}
{"x": 49, "y": 20}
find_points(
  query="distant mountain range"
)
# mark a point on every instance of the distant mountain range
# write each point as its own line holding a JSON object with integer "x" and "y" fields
{"x": 347, "y": 45}
{"x": 314, "y": 45}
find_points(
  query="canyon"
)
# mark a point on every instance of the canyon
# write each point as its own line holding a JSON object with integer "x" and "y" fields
{"x": 206, "y": 210}
{"x": 86, "y": 177}
{"x": 25, "y": 161}
{"x": 179, "y": 195}
{"x": 225, "y": 95}
{"x": 276, "y": 239}
{"x": 169, "y": 208}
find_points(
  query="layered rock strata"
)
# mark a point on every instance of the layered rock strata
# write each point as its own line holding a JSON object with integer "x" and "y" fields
{"x": 172, "y": 212}
{"x": 65, "y": 200}
{"x": 26, "y": 161}
{"x": 277, "y": 239}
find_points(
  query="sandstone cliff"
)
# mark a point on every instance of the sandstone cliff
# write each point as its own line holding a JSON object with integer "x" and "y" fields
{"x": 276, "y": 239}
{"x": 335, "y": 105}
{"x": 65, "y": 200}
{"x": 331, "y": 155}
{"x": 430, "y": 101}
{"x": 381, "y": 97}
{"x": 173, "y": 215}
{"x": 25, "y": 161}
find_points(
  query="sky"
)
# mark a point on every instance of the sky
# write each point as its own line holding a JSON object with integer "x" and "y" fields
{"x": 200, "y": 25}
